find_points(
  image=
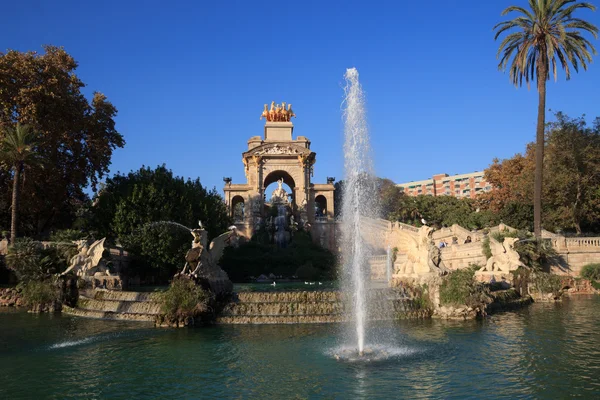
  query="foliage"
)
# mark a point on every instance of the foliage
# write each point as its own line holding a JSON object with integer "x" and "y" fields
{"x": 68, "y": 236}
{"x": 308, "y": 272}
{"x": 30, "y": 261}
{"x": 441, "y": 211}
{"x": 255, "y": 258}
{"x": 487, "y": 251}
{"x": 573, "y": 173}
{"x": 540, "y": 38}
{"x": 546, "y": 283}
{"x": 18, "y": 150}
{"x": 420, "y": 298}
{"x": 158, "y": 251}
{"x": 129, "y": 207}
{"x": 534, "y": 254}
{"x": 572, "y": 180}
{"x": 42, "y": 292}
{"x": 183, "y": 298}
{"x": 591, "y": 272}
{"x": 459, "y": 288}
{"x": 77, "y": 136}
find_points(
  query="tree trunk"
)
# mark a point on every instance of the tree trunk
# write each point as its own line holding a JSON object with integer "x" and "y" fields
{"x": 15, "y": 203}
{"x": 539, "y": 153}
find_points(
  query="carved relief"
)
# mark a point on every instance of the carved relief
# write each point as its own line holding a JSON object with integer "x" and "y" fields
{"x": 276, "y": 150}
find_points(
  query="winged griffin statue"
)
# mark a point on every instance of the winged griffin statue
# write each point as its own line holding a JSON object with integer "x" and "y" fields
{"x": 88, "y": 260}
{"x": 201, "y": 261}
{"x": 504, "y": 257}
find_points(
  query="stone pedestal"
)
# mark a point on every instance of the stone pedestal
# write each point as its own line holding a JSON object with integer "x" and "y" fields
{"x": 278, "y": 131}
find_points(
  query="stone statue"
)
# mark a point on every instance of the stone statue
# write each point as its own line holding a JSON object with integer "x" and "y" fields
{"x": 293, "y": 224}
{"x": 279, "y": 195}
{"x": 290, "y": 112}
{"x": 272, "y": 112}
{"x": 303, "y": 205}
{"x": 504, "y": 256}
{"x": 265, "y": 114}
{"x": 435, "y": 259}
{"x": 278, "y": 112}
{"x": 87, "y": 261}
{"x": 201, "y": 261}
{"x": 423, "y": 258}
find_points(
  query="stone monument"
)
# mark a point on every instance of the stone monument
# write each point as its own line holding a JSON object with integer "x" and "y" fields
{"x": 278, "y": 157}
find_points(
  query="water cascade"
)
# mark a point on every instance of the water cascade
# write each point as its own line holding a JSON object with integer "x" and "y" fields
{"x": 357, "y": 204}
{"x": 280, "y": 226}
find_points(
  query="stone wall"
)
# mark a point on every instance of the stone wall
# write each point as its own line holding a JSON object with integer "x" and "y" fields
{"x": 460, "y": 256}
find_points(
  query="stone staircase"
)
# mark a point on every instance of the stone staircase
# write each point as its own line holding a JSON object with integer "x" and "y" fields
{"x": 116, "y": 305}
{"x": 309, "y": 307}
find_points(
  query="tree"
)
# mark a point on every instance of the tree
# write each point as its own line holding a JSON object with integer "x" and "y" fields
{"x": 76, "y": 136}
{"x": 127, "y": 205}
{"x": 19, "y": 150}
{"x": 545, "y": 35}
{"x": 573, "y": 150}
{"x": 572, "y": 176}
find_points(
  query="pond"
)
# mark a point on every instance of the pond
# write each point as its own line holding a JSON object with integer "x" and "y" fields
{"x": 547, "y": 350}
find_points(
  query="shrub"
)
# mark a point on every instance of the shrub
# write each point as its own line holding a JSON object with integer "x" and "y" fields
{"x": 255, "y": 258}
{"x": 24, "y": 257}
{"x": 533, "y": 254}
{"x": 459, "y": 288}
{"x": 67, "y": 236}
{"x": 183, "y": 299}
{"x": 485, "y": 244}
{"x": 40, "y": 293}
{"x": 546, "y": 283}
{"x": 308, "y": 272}
{"x": 30, "y": 261}
{"x": 591, "y": 272}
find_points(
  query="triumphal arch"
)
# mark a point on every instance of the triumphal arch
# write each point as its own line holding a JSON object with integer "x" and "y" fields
{"x": 279, "y": 158}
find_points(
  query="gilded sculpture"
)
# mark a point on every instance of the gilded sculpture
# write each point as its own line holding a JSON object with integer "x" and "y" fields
{"x": 278, "y": 112}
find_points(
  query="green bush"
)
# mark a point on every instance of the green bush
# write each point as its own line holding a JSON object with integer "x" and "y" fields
{"x": 485, "y": 244}
{"x": 534, "y": 254}
{"x": 67, "y": 236}
{"x": 459, "y": 288}
{"x": 31, "y": 261}
{"x": 24, "y": 257}
{"x": 545, "y": 282}
{"x": 183, "y": 299}
{"x": 256, "y": 257}
{"x": 591, "y": 272}
{"x": 308, "y": 272}
{"x": 39, "y": 293}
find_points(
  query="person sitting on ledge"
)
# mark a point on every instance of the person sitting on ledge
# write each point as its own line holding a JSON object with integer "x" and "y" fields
{"x": 468, "y": 240}
{"x": 454, "y": 240}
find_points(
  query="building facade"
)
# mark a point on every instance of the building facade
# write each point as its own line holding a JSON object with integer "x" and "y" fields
{"x": 460, "y": 186}
{"x": 278, "y": 157}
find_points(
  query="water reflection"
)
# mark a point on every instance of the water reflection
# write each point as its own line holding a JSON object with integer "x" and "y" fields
{"x": 545, "y": 351}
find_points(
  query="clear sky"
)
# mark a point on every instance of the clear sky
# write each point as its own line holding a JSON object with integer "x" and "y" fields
{"x": 189, "y": 78}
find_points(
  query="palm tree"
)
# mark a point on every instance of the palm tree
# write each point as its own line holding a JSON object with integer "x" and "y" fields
{"x": 544, "y": 34}
{"x": 18, "y": 149}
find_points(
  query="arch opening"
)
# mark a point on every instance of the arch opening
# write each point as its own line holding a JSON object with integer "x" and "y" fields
{"x": 273, "y": 185}
{"x": 320, "y": 206}
{"x": 238, "y": 211}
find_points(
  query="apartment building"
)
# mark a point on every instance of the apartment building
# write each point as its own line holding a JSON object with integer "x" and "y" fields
{"x": 463, "y": 185}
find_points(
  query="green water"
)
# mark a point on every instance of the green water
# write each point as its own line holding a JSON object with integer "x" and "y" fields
{"x": 544, "y": 351}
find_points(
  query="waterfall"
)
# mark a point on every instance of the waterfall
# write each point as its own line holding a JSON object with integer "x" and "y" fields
{"x": 280, "y": 226}
{"x": 357, "y": 203}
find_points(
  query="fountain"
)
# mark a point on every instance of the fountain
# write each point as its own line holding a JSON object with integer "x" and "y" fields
{"x": 358, "y": 203}
{"x": 281, "y": 236}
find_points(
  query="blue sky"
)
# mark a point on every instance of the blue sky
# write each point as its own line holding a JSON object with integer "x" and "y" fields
{"x": 189, "y": 79}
